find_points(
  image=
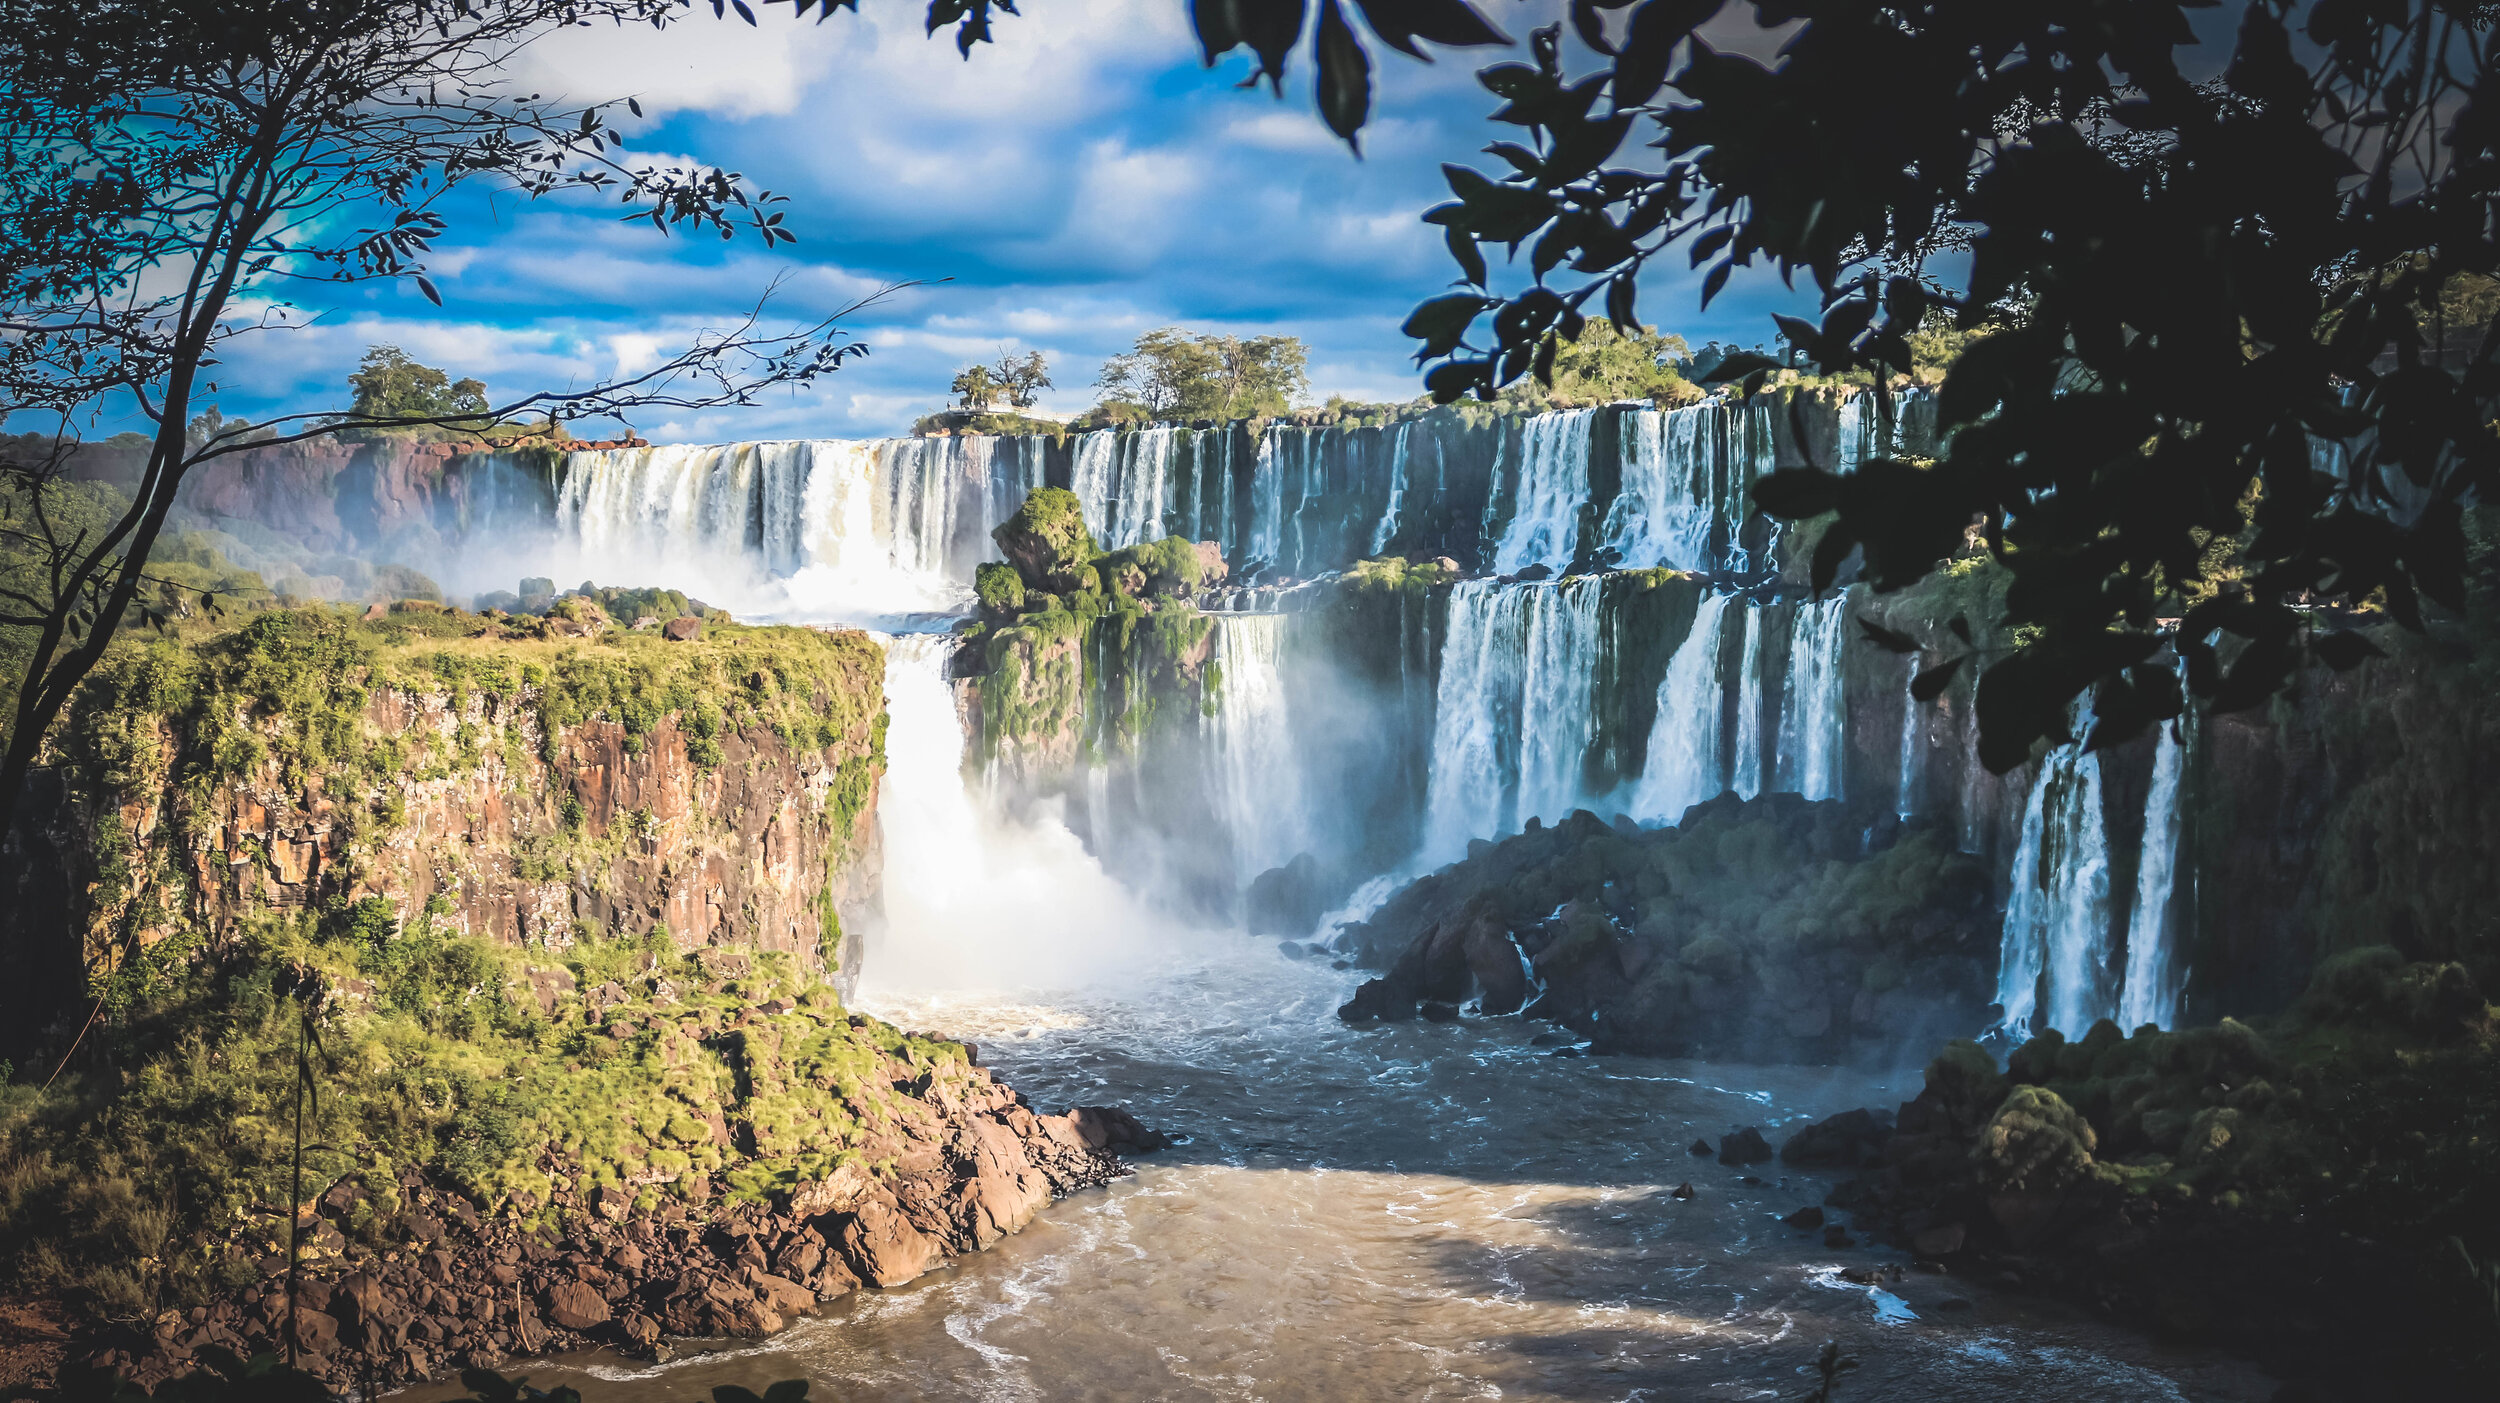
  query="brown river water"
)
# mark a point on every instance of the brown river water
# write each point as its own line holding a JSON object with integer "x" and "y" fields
{"x": 1421, "y": 1212}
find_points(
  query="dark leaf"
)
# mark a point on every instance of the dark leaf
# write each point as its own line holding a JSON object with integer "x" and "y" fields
{"x": 1735, "y": 365}
{"x": 1345, "y": 75}
{"x": 1399, "y": 23}
{"x": 426, "y": 286}
{"x": 1890, "y": 640}
{"x": 1960, "y": 624}
{"x": 1793, "y": 494}
{"x": 1930, "y": 684}
{"x": 1269, "y": 27}
{"x": 1442, "y": 322}
{"x": 2344, "y": 649}
{"x": 1649, "y": 46}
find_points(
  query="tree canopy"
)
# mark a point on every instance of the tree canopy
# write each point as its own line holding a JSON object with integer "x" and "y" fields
{"x": 1173, "y": 373}
{"x": 2210, "y": 298}
{"x": 388, "y": 385}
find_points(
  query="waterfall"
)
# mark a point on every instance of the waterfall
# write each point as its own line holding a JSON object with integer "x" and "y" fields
{"x": 1557, "y": 721}
{"x": 1123, "y": 480}
{"x": 1905, "y": 798}
{"x": 1267, "y": 502}
{"x": 1389, "y": 521}
{"x": 1813, "y": 709}
{"x": 1553, "y": 484}
{"x": 1747, "y": 777}
{"x": 2151, "y": 990}
{"x": 1671, "y": 501}
{"x": 1684, "y": 765}
{"x": 1251, "y": 750}
{"x": 2054, "y": 959}
{"x": 1752, "y": 454}
{"x": 1512, "y": 721}
{"x": 967, "y": 893}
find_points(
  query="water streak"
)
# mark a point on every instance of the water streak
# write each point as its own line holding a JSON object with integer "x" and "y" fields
{"x": 1684, "y": 765}
{"x": 1552, "y": 487}
{"x": 1813, "y": 703}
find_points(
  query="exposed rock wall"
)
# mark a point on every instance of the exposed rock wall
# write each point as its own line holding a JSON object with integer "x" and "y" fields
{"x": 527, "y": 790}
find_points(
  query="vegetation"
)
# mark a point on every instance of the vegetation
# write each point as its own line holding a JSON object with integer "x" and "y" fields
{"x": 1175, "y": 374}
{"x": 525, "y": 1077}
{"x": 2170, "y": 286}
{"x": 394, "y": 396}
{"x": 169, "y": 168}
{"x": 1605, "y": 365}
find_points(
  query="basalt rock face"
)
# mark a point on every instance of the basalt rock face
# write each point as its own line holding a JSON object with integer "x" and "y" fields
{"x": 508, "y": 783}
{"x": 1757, "y": 930}
{"x": 412, "y": 1275}
{"x": 2296, "y": 1186}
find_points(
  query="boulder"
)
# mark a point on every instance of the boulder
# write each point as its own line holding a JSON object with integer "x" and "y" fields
{"x": 1046, "y": 540}
{"x": 575, "y": 1305}
{"x": 1745, "y": 1146}
{"x": 883, "y": 1246}
{"x": 1287, "y": 900}
{"x": 1845, "y": 1141}
{"x": 1211, "y": 567}
{"x": 1111, "y": 1128}
{"x": 682, "y": 630}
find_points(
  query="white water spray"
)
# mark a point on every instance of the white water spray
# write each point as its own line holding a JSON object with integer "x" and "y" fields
{"x": 1813, "y": 705}
{"x": 1684, "y": 765}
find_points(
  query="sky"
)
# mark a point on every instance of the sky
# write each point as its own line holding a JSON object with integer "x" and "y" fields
{"x": 1079, "y": 181}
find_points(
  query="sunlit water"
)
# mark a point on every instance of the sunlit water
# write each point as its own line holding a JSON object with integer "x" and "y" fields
{"x": 1427, "y": 1212}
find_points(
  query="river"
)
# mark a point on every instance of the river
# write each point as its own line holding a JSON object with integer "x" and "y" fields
{"x": 1420, "y": 1212}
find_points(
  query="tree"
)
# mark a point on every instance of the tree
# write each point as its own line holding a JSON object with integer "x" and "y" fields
{"x": 2173, "y": 287}
{"x": 1604, "y": 365}
{"x": 1177, "y": 374}
{"x": 1022, "y": 378}
{"x": 169, "y": 171}
{"x": 388, "y": 386}
{"x": 974, "y": 387}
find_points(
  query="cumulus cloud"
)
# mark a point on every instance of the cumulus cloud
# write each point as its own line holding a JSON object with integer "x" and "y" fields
{"x": 1075, "y": 183}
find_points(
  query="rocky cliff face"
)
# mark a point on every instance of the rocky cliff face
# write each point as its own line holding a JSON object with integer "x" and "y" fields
{"x": 530, "y": 790}
{"x": 768, "y": 1153}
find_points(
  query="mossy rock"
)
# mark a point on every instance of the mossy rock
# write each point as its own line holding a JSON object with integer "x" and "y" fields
{"x": 1046, "y": 540}
{"x": 2035, "y": 1143}
{"x": 1000, "y": 588}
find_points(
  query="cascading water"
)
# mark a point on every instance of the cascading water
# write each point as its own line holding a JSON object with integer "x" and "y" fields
{"x": 1388, "y": 526}
{"x": 1813, "y": 706}
{"x": 1512, "y": 722}
{"x": 1255, "y": 764}
{"x": 1746, "y": 773}
{"x": 1552, "y": 484}
{"x": 973, "y": 899}
{"x": 2150, "y": 992}
{"x": 813, "y": 528}
{"x": 1684, "y": 766}
{"x": 1905, "y": 798}
{"x": 2054, "y": 961}
{"x": 1124, "y": 482}
{"x": 1671, "y": 505}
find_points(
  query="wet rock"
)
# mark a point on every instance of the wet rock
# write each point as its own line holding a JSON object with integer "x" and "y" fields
{"x": 1436, "y": 1011}
{"x": 1681, "y": 1191}
{"x": 1835, "y": 1236}
{"x": 1700, "y": 1149}
{"x": 1807, "y": 1219}
{"x": 1552, "y": 1040}
{"x": 1744, "y": 1146}
{"x": 1942, "y": 1240}
{"x": 1114, "y": 1129}
{"x": 1850, "y": 1140}
{"x": 1288, "y": 900}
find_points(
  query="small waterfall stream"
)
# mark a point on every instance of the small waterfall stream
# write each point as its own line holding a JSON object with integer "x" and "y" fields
{"x": 1745, "y": 774}
{"x": 1812, "y": 706}
{"x": 1552, "y": 484}
{"x": 1512, "y": 723}
{"x": 1257, "y": 777}
{"x": 1685, "y": 766}
{"x": 2150, "y": 992}
{"x": 2052, "y": 971}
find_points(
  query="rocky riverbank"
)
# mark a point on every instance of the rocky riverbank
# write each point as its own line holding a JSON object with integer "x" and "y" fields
{"x": 1770, "y": 930}
{"x": 2312, "y": 1188}
{"x": 763, "y": 1153}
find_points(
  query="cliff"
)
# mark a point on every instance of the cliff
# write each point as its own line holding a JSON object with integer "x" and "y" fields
{"x": 507, "y": 780}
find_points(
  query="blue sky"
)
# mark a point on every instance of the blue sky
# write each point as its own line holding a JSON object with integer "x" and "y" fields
{"x": 1080, "y": 181}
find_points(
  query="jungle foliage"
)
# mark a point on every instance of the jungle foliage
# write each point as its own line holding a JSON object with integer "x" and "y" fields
{"x": 2182, "y": 268}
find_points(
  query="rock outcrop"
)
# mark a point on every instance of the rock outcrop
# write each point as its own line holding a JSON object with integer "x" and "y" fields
{"x": 412, "y": 1277}
{"x": 1760, "y": 930}
{"x": 518, "y": 785}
